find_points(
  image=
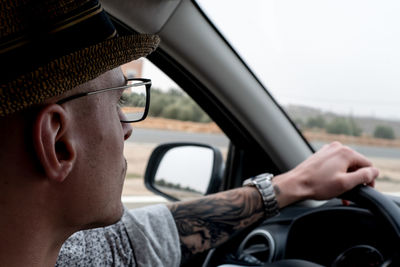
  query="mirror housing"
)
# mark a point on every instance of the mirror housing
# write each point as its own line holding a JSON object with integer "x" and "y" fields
{"x": 182, "y": 171}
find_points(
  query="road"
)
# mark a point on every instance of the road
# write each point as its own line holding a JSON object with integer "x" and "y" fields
{"x": 162, "y": 136}
{"x": 370, "y": 151}
{"x": 220, "y": 140}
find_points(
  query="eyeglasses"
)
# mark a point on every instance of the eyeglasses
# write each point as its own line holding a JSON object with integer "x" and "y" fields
{"x": 134, "y": 102}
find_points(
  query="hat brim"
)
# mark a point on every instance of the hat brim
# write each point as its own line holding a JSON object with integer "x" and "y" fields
{"x": 67, "y": 72}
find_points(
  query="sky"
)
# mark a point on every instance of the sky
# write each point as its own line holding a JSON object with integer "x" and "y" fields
{"x": 338, "y": 55}
{"x": 158, "y": 78}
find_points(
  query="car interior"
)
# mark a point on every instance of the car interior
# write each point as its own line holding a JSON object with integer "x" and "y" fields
{"x": 263, "y": 138}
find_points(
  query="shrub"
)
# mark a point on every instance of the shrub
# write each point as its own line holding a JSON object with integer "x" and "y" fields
{"x": 385, "y": 132}
{"x": 316, "y": 122}
{"x": 175, "y": 104}
{"x": 346, "y": 126}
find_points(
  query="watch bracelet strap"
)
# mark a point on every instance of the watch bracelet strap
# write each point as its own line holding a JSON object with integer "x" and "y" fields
{"x": 266, "y": 190}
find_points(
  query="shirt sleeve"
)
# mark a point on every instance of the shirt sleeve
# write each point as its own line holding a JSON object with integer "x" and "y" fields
{"x": 143, "y": 237}
{"x": 154, "y": 236}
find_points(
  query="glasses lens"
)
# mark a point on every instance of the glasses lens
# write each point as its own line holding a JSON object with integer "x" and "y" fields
{"x": 133, "y": 102}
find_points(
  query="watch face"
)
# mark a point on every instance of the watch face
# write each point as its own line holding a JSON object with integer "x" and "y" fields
{"x": 268, "y": 176}
{"x": 252, "y": 181}
{"x": 249, "y": 182}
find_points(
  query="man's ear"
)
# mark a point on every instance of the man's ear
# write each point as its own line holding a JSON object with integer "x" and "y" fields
{"x": 53, "y": 145}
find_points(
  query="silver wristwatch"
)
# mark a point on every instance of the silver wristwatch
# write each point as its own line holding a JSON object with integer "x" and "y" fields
{"x": 264, "y": 185}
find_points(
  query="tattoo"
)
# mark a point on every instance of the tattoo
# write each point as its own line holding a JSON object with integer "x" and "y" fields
{"x": 210, "y": 221}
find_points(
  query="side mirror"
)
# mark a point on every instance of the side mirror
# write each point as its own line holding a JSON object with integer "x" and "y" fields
{"x": 182, "y": 171}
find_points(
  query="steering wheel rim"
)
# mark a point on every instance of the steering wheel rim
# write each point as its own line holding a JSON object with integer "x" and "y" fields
{"x": 378, "y": 204}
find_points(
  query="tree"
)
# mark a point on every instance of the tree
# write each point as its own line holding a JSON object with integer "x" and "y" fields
{"x": 354, "y": 129}
{"x": 346, "y": 126}
{"x": 316, "y": 122}
{"x": 174, "y": 104}
{"x": 385, "y": 132}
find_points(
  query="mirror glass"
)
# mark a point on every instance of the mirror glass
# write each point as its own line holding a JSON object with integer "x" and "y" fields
{"x": 185, "y": 172}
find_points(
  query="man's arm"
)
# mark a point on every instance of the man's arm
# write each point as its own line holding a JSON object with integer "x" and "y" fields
{"x": 209, "y": 221}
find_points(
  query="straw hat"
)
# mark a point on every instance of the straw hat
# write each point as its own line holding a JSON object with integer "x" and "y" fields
{"x": 48, "y": 47}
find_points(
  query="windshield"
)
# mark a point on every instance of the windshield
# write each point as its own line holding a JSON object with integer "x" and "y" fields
{"x": 332, "y": 65}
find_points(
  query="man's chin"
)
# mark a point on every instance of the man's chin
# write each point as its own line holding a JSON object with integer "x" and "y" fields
{"x": 112, "y": 218}
{"x": 116, "y": 215}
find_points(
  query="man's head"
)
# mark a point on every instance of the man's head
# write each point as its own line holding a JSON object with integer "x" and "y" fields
{"x": 79, "y": 145}
{"x": 64, "y": 158}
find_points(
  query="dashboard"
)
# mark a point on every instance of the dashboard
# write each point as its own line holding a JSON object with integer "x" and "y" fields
{"x": 331, "y": 235}
{"x": 339, "y": 237}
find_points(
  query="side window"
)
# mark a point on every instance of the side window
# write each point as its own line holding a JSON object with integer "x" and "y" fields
{"x": 173, "y": 117}
{"x": 337, "y": 79}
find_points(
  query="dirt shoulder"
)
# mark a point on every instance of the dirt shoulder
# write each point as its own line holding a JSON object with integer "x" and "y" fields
{"x": 345, "y": 139}
{"x": 187, "y": 126}
{"x": 176, "y": 125}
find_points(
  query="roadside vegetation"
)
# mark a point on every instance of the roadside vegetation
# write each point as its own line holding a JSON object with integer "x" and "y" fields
{"x": 176, "y": 105}
{"x": 385, "y": 132}
{"x": 343, "y": 126}
{"x": 339, "y": 125}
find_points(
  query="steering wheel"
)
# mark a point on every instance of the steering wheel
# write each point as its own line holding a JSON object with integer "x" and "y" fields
{"x": 371, "y": 199}
{"x": 381, "y": 206}
{"x": 377, "y": 203}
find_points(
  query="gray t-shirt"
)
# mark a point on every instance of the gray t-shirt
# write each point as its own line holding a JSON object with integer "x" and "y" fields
{"x": 143, "y": 237}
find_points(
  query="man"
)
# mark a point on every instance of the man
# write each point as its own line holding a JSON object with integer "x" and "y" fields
{"x": 62, "y": 139}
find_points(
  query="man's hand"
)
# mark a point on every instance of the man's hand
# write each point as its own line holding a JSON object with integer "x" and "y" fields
{"x": 331, "y": 171}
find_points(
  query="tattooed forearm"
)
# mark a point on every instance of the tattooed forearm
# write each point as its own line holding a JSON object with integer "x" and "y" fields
{"x": 208, "y": 222}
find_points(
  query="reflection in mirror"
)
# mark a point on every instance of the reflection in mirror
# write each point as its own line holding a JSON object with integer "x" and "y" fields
{"x": 185, "y": 172}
